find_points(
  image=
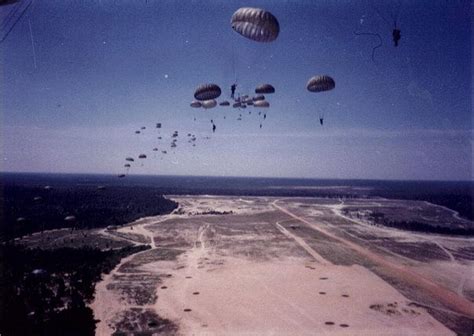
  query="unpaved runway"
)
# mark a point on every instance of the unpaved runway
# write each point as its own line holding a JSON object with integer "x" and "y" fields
{"x": 446, "y": 296}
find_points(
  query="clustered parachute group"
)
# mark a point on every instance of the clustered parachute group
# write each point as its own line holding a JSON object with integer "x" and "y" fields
{"x": 260, "y": 26}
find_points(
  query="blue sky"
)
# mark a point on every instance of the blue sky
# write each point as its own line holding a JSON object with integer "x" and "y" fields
{"x": 105, "y": 68}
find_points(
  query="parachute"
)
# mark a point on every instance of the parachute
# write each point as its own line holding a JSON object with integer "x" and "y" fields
{"x": 258, "y": 97}
{"x": 320, "y": 83}
{"x": 195, "y": 103}
{"x": 207, "y": 92}
{"x": 265, "y": 89}
{"x": 129, "y": 159}
{"x": 70, "y": 218}
{"x": 121, "y": 175}
{"x": 207, "y": 104}
{"x": 158, "y": 125}
{"x": 255, "y": 24}
{"x": 143, "y": 127}
{"x": 261, "y": 103}
{"x": 237, "y": 105}
{"x": 127, "y": 165}
{"x": 142, "y": 156}
{"x": 224, "y": 103}
{"x": 137, "y": 132}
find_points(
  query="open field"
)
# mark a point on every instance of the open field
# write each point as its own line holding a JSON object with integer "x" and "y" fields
{"x": 229, "y": 265}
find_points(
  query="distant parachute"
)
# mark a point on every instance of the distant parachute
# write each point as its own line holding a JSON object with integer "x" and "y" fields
{"x": 143, "y": 127}
{"x": 158, "y": 125}
{"x": 195, "y": 104}
{"x": 207, "y": 92}
{"x": 130, "y": 159}
{"x": 255, "y": 24}
{"x": 207, "y": 104}
{"x": 261, "y": 103}
{"x": 224, "y": 103}
{"x": 121, "y": 175}
{"x": 137, "y": 132}
{"x": 37, "y": 198}
{"x": 127, "y": 165}
{"x": 265, "y": 89}
{"x": 142, "y": 156}
{"x": 258, "y": 97}
{"x": 237, "y": 105}
{"x": 320, "y": 83}
{"x": 155, "y": 149}
{"x": 70, "y": 218}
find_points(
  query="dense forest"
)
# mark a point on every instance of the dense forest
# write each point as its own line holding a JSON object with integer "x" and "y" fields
{"x": 46, "y": 292}
{"x": 27, "y": 209}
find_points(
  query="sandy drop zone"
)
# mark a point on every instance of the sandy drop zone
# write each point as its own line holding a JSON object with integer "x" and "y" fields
{"x": 262, "y": 266}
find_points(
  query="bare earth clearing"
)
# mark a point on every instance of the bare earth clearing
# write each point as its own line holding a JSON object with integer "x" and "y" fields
{"x": 266, "y": 266}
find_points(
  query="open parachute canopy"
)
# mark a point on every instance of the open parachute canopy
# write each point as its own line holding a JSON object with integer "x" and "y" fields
{"x": 261, "y": 103}
{"x": 224, "y": 103}
{"x": 320, "y": 83}
{"x": 195, "y": 104}
{"x": 265, "y": 89}
{"x": 207, "y": 92}
{"x": 142, "y": 156}
{"x": 207, "y": 104}
{"x": 255, "y": 24}
{"x": 130, "y": 159}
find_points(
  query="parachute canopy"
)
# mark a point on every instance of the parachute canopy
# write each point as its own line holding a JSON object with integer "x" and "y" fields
{"x": 127, "y": 165}
{"x": 195, "y": 103}
{"x": 261, "y": 103}
{"x": 207, "y": 104}
{"x": 129, "y": 159}
{"x": 142, "y": 156}
{"x": 224, "y": 103}
{"x": 265, "y": 89}
{"x": 236, "y": 105}
{"x": 320, "y": 83}
{"x": 207, "y": 92}
{"x": 255, "y": 24}
{"x": 258, "y": 97}
{"x": 158, "y": 125}
{"x": 70, "y": 218}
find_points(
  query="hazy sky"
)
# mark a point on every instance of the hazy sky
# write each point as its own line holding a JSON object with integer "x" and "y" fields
{"x": 105, "y": 68}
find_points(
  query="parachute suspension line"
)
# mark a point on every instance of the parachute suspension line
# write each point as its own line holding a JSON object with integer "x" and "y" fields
{"x": 374, "y": 48}
{"x": 395, "y": 15}
{"x": 234, "y": 70}
{"x": 14, "y": 23}
{"x": 32, "y": 42}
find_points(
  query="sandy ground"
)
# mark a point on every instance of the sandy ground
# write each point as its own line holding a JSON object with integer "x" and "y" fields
{"x": 254, "y": 273}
